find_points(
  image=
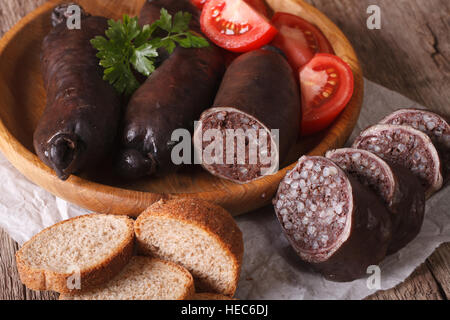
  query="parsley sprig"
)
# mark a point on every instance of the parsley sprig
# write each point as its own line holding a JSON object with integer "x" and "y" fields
{"x": 128, "y": 47}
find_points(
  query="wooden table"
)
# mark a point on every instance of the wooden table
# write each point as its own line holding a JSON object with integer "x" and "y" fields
{"x": 410, "y": 54}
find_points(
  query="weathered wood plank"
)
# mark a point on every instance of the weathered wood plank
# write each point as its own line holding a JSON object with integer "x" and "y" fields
{"x": 11, "y": 11}
{"x": 439, "y": 264}
{"x": 419, "y": 286}
{"x": 10, "y": 286}
{"x": 410, "y": 54}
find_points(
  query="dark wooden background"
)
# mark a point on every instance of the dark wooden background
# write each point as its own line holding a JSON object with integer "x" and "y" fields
{"x": 410, "y": 54}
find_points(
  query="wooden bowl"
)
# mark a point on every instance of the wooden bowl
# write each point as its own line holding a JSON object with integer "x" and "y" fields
{"x": 22, "y": 100}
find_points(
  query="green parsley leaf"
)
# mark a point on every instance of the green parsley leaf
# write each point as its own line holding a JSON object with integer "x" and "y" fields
{"x": 127, "y": 47}
{"x": 141, "y": 59}
{"x": 165, "y": 20}
{"x": 181, "y": 22}
{"x": 198, "y": 42}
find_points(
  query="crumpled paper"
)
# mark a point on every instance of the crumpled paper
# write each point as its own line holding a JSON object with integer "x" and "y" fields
{"x": 271, "y": 269}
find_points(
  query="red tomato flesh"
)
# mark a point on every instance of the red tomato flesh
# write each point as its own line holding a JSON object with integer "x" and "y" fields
{"x": 258, "y": 5}
{"x": 299, "y": 39}
{"x": 235, "y": 26}
{"x": 327, "y": 87}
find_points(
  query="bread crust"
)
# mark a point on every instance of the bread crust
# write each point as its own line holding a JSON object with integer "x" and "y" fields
{"x": 189, "y": 291}
{"x": 43, "y": 279}
{"x": 190, "y": 288}
{"x": 214, "y": 220}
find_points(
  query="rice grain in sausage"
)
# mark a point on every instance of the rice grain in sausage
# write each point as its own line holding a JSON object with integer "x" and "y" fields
{"x": 430, "y": 123}
{"x": 405, "y": 146}
{"x": 400, "y": 190}
{"x": 334, "y": 223}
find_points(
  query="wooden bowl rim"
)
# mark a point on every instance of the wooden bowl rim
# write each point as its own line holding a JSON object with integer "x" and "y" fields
{"x": 15, "y": 152}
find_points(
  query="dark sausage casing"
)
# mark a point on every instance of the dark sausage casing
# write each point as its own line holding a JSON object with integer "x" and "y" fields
{"x": 80, "y": 121}
{"x": 405, "y": 146}
{"x": 258, "y": 91}
{"x": 173, "y": 97}
{"x": 401, "y": 191}
{"x": 334, "y": 223}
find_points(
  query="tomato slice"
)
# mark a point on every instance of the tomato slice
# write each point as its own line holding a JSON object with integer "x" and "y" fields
{"x": 235, "y": 25}
{"x": 258, "y": 5}
{"x": 327, "y": 87}
{"x": 299, "y": 39}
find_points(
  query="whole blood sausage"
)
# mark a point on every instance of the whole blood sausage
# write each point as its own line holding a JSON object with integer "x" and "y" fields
{"x": 332, "y": 221}
{"x": 405, "y": 146}
{"x": 172, "y": 98}
{"x": 258, "y": 94}
{"x": 401, "y": 191}
{"x": 432, "y": 124}
{"x": 80, "y": 121}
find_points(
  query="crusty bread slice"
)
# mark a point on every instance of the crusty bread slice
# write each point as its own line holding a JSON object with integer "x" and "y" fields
{"x": 76, "y": 254}
{"x": 210, "y": 296}
{"x": 200, "y": 236}
{"x": 143, "y": 278}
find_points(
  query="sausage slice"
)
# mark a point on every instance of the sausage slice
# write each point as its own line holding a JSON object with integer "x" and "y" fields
{"x": 405, "y": 146}
{"x": 400, "y": 190}
{"x": 332, "y": 221}
{"x": 432, "y": 124}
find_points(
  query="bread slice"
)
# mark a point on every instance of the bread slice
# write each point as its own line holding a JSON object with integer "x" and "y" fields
{"x": 200, "y": 236}
{"x": 210, "y": 296}
{"x": 76, "y": 254}
{"x": 143, "y": 278}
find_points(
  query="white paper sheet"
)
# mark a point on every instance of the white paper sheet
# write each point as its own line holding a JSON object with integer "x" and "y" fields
{"x": 271, "y": 269}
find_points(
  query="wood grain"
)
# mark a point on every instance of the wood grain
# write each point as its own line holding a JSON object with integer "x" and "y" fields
{"x": 390, "y": 56}
{"x": 24, "y": 99}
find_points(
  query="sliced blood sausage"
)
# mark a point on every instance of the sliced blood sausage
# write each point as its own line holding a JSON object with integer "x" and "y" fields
{"x": 172, "y": 98}
{"x": 405, "y": 146}
{"x": 332, "y": 221}
{"x": 432, "y": 124}
{"x": 258, "y": 94}
{"x": 401, "y": 191}
{"x": 81, "y": 117}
